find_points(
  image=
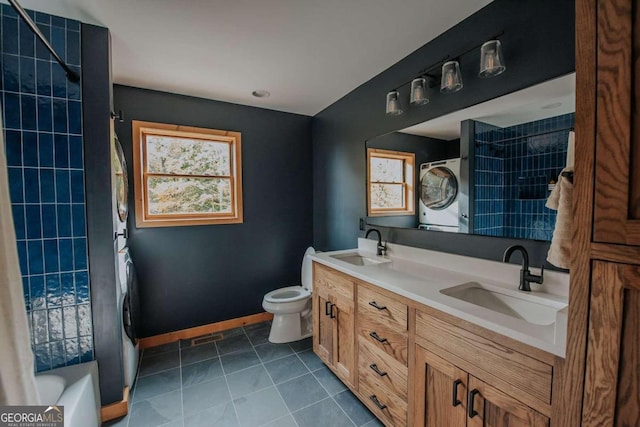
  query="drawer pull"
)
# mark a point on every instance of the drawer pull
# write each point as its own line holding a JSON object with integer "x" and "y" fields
{"x": 376, "y": 370}
{"x": 455, "y": 401}
{"x": 376, "y": 337}
{"x": 472, "y": 394}
{"x": 375, "y": 305}
{"x": 375, "y": 400}
{"x": 327, "y": 308}
{"x": 332, "y": 315}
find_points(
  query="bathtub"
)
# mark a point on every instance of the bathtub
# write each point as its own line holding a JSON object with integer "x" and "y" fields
{"x": 76, "y": 388}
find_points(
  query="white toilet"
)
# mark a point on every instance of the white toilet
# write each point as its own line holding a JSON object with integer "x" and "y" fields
{"x": 291, "y": 307}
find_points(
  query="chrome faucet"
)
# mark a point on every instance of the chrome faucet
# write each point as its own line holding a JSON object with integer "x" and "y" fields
{"x": 382, "y": 248}
{"x": 525, "y": 275}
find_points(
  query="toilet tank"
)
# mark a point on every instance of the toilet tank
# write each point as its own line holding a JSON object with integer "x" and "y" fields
{"x": 306, "y": 276}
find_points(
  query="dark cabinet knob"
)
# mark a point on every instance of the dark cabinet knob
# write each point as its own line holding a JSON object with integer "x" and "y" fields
{"x": 472, "y": 394}
{"x": 455, "y": 401}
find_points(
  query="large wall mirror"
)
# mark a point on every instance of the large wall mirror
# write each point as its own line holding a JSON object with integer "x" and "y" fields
{"x": 487, "y": 169}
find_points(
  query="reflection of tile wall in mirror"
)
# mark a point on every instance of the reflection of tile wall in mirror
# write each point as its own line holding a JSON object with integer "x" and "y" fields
{"x": 513, "y": 168}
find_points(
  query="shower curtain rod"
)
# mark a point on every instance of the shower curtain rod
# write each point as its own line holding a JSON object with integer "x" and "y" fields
{"x": 71, "y": 75}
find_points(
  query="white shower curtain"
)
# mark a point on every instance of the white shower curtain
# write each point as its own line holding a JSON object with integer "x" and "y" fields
{"x": 17, "y": 381}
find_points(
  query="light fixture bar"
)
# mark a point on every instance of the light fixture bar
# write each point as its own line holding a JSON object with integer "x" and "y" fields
{"x": 436, "y": 65}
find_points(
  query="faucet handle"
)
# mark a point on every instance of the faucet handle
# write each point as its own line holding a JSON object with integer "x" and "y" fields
{"x": 534, "y": 277}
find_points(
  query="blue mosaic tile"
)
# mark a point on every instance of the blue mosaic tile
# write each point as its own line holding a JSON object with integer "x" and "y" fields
{"x": 45, "y": 150}
{"x": 59, "y": 82}
{"x": 49, "y": 221}
{"x": 79, "y": 221}
{"x": 47, "y": 186}
{"x": 30, "y": 149}
{"x": 42, "y": 115}
{"x": 73, "y": 47}
{"x": 9, "y": 31}
{"x": 61, "y": 144}
{"x": 68, "y": 290}
{"x": 80, "y": 253}
{"x": 27, "y": 75}
{"x": 76, "y": 159}
{"x": 28, "y": 110}
{"x": 63, "y": 186}
{"x": 66, "y": 254}
{"x": 33, "y": 222}
{"x": 13, "y": 147}
{"x": 43, "y": 82}
{"x": 51, "y": 257}
{"x": 60, "y": 116}
{"x": 11, "y": 72}
{"x": 11, "y": 110}
{"x": 64, "y": 220}
{"x": 77, "y": 186}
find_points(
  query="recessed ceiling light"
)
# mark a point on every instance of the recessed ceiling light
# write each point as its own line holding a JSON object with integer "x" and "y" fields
{"x": 261, "y": 93}
{"x": 551, "y": 106}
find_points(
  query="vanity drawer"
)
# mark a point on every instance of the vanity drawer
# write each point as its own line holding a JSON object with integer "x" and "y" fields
{"x": 384, "y": 309}
{"x": 331, "y": 281}
{"x": 526, "y": 378}
{"x": 377, "y": 367}
{"x": 384, "y": 339}
{"x": 388, "y": 407}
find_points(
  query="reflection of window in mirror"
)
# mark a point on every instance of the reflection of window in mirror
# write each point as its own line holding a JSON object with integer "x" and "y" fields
{"x": 390, "y": 182}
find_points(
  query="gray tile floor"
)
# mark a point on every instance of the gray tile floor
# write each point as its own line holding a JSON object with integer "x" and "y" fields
{"x": 240, "y": 380}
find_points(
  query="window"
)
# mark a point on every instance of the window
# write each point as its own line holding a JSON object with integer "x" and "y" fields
{"x": 186, "y": 175}
{"x": 390, "y": 182}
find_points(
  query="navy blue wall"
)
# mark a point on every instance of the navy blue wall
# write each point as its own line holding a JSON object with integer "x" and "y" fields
{"x": 195, "y": 275}
{"x": 535, "y": 32}
{"x": 42, "y": 123}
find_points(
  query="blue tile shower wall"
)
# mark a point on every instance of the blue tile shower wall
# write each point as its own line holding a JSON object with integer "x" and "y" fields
{"x": 43, "y": 139}
{"x": 512, "y": 176}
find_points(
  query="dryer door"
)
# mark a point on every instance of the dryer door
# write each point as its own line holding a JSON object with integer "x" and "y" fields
{"x": 438, "y": 188}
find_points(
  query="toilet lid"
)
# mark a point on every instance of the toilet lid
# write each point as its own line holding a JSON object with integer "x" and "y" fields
{"x": 288, "y": 294}
{"x": 307, "y": 269}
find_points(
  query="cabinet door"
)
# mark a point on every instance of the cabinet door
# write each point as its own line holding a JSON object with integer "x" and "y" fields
{"x": 489, "y": 407}
{"x": 440, "y": 391}
{"x": 617, "y": 171}
{"x": 344, "y": 337}
{"x": 612, "y": 383}
{"x": 323, "y": 326}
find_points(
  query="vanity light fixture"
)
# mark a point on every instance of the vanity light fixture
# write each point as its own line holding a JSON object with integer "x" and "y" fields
{"x": 491, "y": 65}
{"x": 419, "y": 92}
{"x": 393, "y": 103}
{"x": 491, "y": 62}
{"x": 451, "y": 77}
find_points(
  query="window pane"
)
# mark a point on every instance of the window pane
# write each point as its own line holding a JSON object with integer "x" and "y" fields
{"x": 171, "y": 196}
{"x": 183, "y": 156}
{"x": 387, "y": 196}
{"x": 386, "y": 170}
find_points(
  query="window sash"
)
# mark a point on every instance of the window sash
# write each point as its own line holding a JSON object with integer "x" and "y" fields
{"x": 142, "y": 130}
{"x": 408, "y": 162}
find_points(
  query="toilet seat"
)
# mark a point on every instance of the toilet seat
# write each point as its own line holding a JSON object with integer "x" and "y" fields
{"x": 288, "y": 294}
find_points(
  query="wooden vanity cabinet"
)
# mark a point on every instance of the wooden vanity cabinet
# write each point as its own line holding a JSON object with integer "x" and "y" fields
{"x": 413, "y": 365}
{"x": 444, "y": 392}
{"x": 334, "y": 321}
{"x": 383, "y": 342}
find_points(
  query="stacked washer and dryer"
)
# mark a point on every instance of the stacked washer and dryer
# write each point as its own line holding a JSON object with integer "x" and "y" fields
{"x": 439, "y": 194}
{"x": 126, "y": 278}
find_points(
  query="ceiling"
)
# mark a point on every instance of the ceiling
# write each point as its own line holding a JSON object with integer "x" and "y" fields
{"x": 307, "y": 53}
{"x": 549, "y": 99}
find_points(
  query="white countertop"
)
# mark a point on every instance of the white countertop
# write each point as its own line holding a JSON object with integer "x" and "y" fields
{"x": 420, "y": 275}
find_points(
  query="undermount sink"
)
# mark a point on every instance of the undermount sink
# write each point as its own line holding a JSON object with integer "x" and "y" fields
{"x": 357, "y": 259}
{"x": 532, "y": 308}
